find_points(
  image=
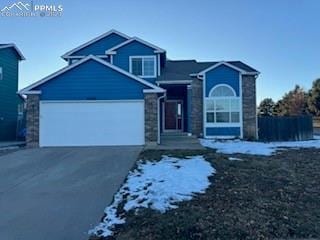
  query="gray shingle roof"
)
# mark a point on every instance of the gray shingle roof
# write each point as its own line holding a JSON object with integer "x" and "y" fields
{"x": 181, "y": 69}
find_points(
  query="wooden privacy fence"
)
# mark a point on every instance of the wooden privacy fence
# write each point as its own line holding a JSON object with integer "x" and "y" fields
{"x": 295, "y": 128}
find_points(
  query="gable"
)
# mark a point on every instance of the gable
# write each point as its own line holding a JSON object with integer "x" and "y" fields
{"x": 134, "y": 48}
{"x": 91, "y": 80}
{"x": 222, "y": 75}
{"x": 5, "y": 48}
{"x": 9, "y": 55}
{"x": 99, "y": 47}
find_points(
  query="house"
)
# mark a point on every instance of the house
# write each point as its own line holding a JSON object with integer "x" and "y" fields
{"x": 10, "y": 56}
{"x": 121, "y": 90}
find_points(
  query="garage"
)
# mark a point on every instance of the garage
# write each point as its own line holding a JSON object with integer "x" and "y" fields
{"x": 91, "y": 123}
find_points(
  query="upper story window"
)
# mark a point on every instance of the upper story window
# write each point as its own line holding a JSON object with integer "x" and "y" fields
{"x": 222, "y": 105}
{"x": 1, "y": 73}
{"x": 143, "y": 66}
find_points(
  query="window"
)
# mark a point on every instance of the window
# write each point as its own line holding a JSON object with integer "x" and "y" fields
{"x": 144, "y": 66}
{"x": 1, "y": 73}
{"x": 222, "y": 106}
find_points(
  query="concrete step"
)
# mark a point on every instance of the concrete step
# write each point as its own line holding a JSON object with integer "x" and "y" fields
{"x": 180, "y": 140}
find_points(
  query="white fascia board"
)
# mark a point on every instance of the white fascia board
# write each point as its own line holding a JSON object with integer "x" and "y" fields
{"x": 29, "y": 92}
{"x": 77, "y": 57}
{"x": 241, "y": 71}
{"x": 154, "y": 90}
{"x": 219, "y": 64}
{"x": 67, "y": 68}
{"x": 193, "y": 74}
{"x": 251, "y": 73}
{"x": 66, "y": 55}
{"x": 174, "y": 82}
{"x": 159, "y": 50}
{"x": 11, "y": 45}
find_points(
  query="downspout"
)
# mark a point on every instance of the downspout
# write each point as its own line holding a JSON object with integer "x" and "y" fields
{"x": 158, "y": 102}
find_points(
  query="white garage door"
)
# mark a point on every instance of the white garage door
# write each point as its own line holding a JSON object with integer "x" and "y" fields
{"x": 91, "y": 123}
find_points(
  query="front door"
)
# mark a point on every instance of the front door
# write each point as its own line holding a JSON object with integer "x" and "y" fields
{"x": 173, "y": 115}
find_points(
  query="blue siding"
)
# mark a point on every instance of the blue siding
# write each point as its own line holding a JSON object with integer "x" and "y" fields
{"x": 121, "y": 59}
{"x": 223, "y": 131}
{"x": 100, "y": 47}
{"x": 91, "y": 80}
{"x": 9, "y": 61}
{"x": 77, "y": 59}
{"x": 222, "y": 75}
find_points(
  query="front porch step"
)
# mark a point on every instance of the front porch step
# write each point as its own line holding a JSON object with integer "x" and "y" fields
{"x": 173, "y": 133}
{"x": 177, "y": 140}
{"x": 180, "y": 138}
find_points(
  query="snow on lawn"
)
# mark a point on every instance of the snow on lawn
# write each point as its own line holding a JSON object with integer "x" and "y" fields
{"x": 235, "y": 159}
{"x": 157, "y": 185}
{"x": 257, "y": 148}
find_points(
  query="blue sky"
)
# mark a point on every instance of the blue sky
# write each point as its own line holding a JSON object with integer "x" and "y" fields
{"x": 279, "y": 38}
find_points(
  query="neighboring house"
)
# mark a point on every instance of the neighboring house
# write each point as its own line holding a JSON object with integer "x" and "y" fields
{"x": 21, "y": 121}
{"x": 121, "y": 90}
{"x": 9, "y": 100}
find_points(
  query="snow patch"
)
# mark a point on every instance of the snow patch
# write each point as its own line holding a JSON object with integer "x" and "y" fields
{"x": 256, "y": 148}
{"x": 235, "y": 159}
{"x": 157, "y": 185}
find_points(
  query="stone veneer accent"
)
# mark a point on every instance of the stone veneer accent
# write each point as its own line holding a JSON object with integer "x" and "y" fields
{"x": 151, "y": 118}
{"x": 197, "y": 108}
{"x": 32, "y": 138}
{"x": 249, "y": 107}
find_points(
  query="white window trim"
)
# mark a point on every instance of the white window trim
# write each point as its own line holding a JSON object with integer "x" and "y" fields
{"x": 215, "y": 124}
{"x": 143, "y": 57}
{"x": 222, "y": 85}
{"x": 204, "y": 110}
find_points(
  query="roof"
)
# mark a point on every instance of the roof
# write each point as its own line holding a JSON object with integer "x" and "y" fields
{"x": 67, "y": 55}
{"x": 181, "y": 69}
{"x": 157, "y": 49}
{"x": 12, "y": 45}
{"x": 29, "y": 89}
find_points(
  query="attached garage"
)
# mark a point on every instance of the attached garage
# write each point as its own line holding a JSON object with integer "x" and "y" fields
{"x": 91, "y": 123}
{"x": 91, "y": 103}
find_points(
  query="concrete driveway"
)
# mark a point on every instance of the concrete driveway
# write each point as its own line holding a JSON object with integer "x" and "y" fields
{"x": 59, "y": 193}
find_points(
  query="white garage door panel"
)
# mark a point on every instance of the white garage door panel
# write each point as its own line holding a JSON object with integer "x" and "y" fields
{"x": 91, "y": 123}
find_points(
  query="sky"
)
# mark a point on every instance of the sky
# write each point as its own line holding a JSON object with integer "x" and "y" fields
{"x": 279, "y": 38}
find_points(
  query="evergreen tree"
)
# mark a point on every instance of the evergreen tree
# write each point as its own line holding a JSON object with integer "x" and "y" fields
{"x": 266, "y": 107}
{"x": 293, "y": 103}
{"x": 277, "y": 110}
{"x": 314, "y": 98}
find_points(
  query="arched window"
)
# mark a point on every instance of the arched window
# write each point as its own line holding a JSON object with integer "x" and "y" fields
{"x": 222, "y": 105}
{"x": 222, "y": 91}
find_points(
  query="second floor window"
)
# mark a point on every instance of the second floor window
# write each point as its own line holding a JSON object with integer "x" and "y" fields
{"x": 222, "y": 106}
{"x": 143, "y": 66}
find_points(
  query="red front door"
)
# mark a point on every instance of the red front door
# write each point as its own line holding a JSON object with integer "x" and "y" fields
{"x": 173, "y": 115}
